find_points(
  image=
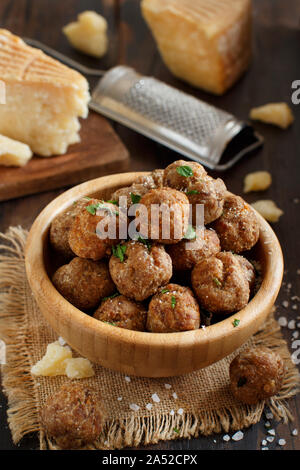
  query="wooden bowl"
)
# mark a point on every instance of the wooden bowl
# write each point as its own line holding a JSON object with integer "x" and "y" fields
{"x": 133, "y": 352}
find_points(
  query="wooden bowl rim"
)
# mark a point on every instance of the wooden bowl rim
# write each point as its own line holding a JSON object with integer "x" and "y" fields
{"x": 40, "y": 282}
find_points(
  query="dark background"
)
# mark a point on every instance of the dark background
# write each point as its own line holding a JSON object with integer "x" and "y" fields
{"x": 274, "y": 67}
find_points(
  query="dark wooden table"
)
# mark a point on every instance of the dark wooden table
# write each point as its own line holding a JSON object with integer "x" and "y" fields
{"x": 275, "y": 66}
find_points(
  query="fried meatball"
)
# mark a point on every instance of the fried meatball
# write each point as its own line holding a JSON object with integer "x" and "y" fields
{"x": 84, "y": 282}
{"x": 256, "y": 374}
{"x": 211, "y": 193}
{"x": 220, "y": 283}
{"x": 85, "y": 237}
{"x": 238, "y": 227}
{"x": 143, "y": 270}
{"x": 129, "y": 192}
{"x": 73, "y": 416}
{"x": 173, "y": 309}
{"x": 187, "y": 253}
{"x": 122, "y": 312}
{"x": 249, "y": 270}
{"x": 152, "y": 181}
{"x": 61, "y": 225}
{"x": 164, "y": 215}
{"x": 181, "y": 174}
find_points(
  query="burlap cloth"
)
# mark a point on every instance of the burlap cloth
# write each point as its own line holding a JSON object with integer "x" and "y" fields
{"x": 193, "y": 404}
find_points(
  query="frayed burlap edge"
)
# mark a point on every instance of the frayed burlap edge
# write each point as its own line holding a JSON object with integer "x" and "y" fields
{"x": 20, "y": 388}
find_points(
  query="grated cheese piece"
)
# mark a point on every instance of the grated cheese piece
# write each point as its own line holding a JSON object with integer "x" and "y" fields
{"x": 88, "y": 34}
{"x": 268, "y": 210}
{"x": 53, "y": 363}
{"x": 79, "y": 368}
{"x": 279, "y": 114}
{"x": 257, "y": 181}
{"x": 13, "y": 153}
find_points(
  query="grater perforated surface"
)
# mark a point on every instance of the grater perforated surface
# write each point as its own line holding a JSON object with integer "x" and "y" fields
{"x": 174, "y": 110}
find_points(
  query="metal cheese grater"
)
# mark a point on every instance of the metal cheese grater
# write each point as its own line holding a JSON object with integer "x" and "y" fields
{"x": 183, "y": 123}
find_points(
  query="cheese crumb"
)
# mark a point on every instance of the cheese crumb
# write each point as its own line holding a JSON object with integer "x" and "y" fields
{"x": 58, "y": 360}
{"x": 53, "y": 362}
{"x": 268, "y": 210}
{"x": 79, "y": 368}
{"x": 88, "y": 34}
{"x": 13, "y": 153}
{"x": 279, "y": 114}
{"x": 257, "y": 181}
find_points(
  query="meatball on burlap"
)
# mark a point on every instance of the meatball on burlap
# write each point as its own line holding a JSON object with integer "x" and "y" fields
{"x": 122, "y": 312}
{"x": 238, "y": 227}
{"x": 256, "y": 374}
{"x": 84, "y": 282}
{"x": 173, "y": 309}
{"x": 73, "y": 416}
{"x": 141, "y": 269}
{"x": 187, "y": 253}
{"x": 88, "y": 237}
{"x": 163, "y": 216}
{"x": 220, "y": 283}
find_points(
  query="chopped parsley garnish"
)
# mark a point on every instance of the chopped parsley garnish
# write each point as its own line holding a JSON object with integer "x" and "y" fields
{"x": 87, "y": 198}
{"x": 164, "y": 291}
{"x": 112, "y": 201}
{"x": 135, "y": 198}
{"x": 92, "y": 208}
{"x": 185, "y": 171}
{"x": 190, "y": 233}
{"x": 236, "y": 322}
{"x": 119, "y": 252}
{"x": 192, "y": 191}
{"x": 110, "y": 296}
{"x": 173, "y": 301}
{"x": 176, "y": 430}
{"x": 217, "y": 282}
{"x": 109, "y": 323}
{"x": 145, "y": 242}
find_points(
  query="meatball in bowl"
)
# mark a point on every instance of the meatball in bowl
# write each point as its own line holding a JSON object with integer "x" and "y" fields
{"x": 135, "y": 305}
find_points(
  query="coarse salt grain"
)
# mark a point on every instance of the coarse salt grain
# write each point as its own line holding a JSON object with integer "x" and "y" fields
{"x": 295, "y": 432}
{"x": 226, "y": 438}
{"x": 282, "y": 442}
{"x": 155, "y": 398}
{"x": 282, "y": 321}
{"x": 269, "y": 415}
{"x": 295, "y": 334}
{"x": 168, "y": 386}
{"x": 265, "y": 448}
{"x": 128, "y": 379}
{"x": 292, "y": 324}
{"x": 175, "y": 395}
{"x": 238, "y": 436}
{"x": 120, "y": 398}
{"x": 264, "y": 442}
{"x": 149, "y": 406}
{"x": 267, "y": 424}
{"x": 272, "y": 432}
{"x": 295, "y": 307}
{"x": 285, "y": 304}
{"x": 134, "y": 407}
{"x": 270, "y": 438}
{"x": 172, "y": 412}
{"x": 180, "y": 411}
{"x": 61, "y": 341}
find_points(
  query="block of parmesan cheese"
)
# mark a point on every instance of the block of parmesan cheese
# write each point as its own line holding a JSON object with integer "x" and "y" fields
{"x": 44, "y": 98}
{"x": 13, "y": 153}
{"x": 206, "y": 43}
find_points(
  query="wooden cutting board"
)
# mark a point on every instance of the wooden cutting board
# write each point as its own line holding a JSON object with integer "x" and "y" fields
{"x": 99, "y": 153}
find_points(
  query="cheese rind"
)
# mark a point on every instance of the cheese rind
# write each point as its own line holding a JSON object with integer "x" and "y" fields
{"x": 88, "y": 34}
{"x": 13, "y": 153}
{"x": 44, "y": 98}
{"x": 207, "y": 44}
